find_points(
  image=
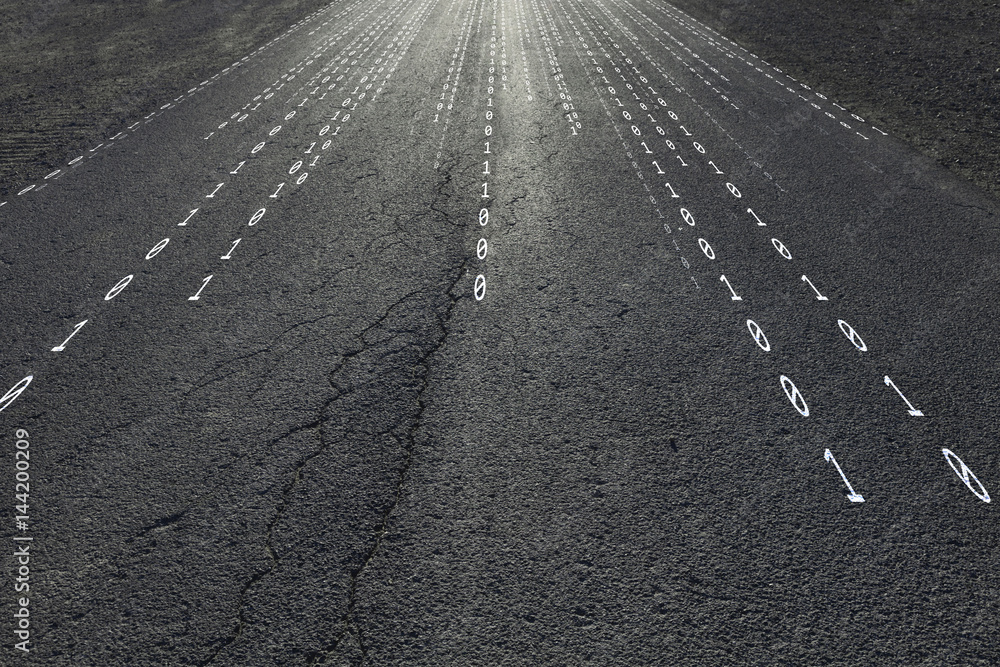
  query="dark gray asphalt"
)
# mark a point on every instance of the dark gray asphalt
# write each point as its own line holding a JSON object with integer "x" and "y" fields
{"x": 405, "y": 423}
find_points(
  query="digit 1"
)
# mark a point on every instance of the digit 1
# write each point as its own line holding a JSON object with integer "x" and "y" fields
{"x": 717, "y": 170}
{"x": 619, "y": 102}
{"x": 486, "y": 167}
{"x": 819, "y": 297}
{"x": 217, "y": 188}
{"x": 759, "y": 223}
{"x": 198, "y": 293}
{"x": 310, "y": 149}
{"x": 487, "y": 148}
{"x": 686, "y": 132}
{"x": 315, "y": 160}
{"x": 913, "y": 411}
{"x": 190, "y": 215}
{"x": 62, "y": 347}
{"x": 485, "y": 196}
{"x": 435, "y": 118}
{"x": 238, "y": 167}
{"x": 725, "y": 280}
{"x": 853, "y": 497}
{"x": 683, "y": 163}
{"x": 275, "y": 195}
{"x": 646, "y": 147}
{"x": 658, "y": 170}
{"x": 229, "y": 254}
{"x": 673, "y": 195}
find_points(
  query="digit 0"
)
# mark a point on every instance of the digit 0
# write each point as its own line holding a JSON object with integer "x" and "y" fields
{"x": 157, "y": 248}
{"x": 116, "y": 290}
{"x": 964, "y": 474}
{"x": 780, "y": 247}
{"x": 706, "y": 248}
{"x": 758, "y": 335}
{"x": 795, "y": 396}
{"x": 256, "y": 217}
{"x": 852, "y": 335}
{"x": 14, "y": 392}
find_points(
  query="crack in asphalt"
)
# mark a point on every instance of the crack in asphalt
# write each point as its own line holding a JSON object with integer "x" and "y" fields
{"x": 201, "y": 383}
{"x": 447, "y": 165}
{"x": 371, "y": 246}
{"x": 268, "y": 542}
{"x": 316, "y": 424}
{"x": 406, "y": 443}
{"x": 350, "y": 626}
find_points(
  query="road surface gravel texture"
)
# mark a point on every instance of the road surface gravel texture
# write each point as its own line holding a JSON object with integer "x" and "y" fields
{"x": 70, "y": 71}
{"x": 499, "y": 332}
{"x": 927, "y": 69}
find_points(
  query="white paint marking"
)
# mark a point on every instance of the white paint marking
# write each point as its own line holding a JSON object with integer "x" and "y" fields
{"x": 62, "y": 346}
{"x": 852, "y": 496}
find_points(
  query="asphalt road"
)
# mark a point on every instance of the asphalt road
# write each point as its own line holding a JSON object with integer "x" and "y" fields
{"x": 459, "y": 332}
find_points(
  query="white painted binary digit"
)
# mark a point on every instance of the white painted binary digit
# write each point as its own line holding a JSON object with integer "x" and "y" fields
{"x": 852, "y": 496}
{"x": 964, "y": 474}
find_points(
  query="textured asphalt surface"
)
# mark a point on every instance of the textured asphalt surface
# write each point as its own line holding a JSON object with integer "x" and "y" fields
{"x": 560, "y": 408}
